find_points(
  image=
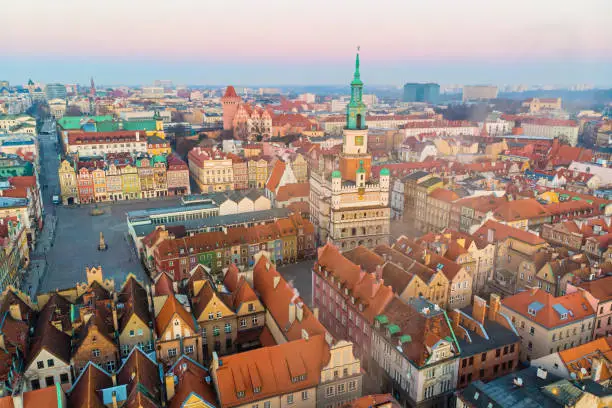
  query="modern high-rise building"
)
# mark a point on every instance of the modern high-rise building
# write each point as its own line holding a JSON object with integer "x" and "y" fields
{"x": 429, "y": 93}
{"x": 479, "y": 92}
{"x": 55, "y": 91}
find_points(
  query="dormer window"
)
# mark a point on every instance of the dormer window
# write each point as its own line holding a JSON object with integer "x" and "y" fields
{"x": 564, "y": 316}
{"x": 240, "y": 394}
{"x": 257, "y": 390}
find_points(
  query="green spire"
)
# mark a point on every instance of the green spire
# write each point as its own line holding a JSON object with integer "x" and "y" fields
{"x": 356, "y": 109}
{"x": 357, "y": 75}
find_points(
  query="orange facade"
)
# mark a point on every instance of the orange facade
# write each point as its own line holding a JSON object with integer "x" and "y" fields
{"x": 349, "y": 166}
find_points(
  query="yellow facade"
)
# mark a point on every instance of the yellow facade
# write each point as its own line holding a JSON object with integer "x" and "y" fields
{"x": 68, "y": 183}
{"x": 130, "y": 182}
{"x": 134, "y": 333}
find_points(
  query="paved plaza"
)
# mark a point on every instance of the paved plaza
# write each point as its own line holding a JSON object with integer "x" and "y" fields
{"x": 300, "y": 276}
{"x": 69, "y": 242}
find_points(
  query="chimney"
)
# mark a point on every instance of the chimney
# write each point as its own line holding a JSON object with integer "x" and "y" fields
{"x": 299, "y": 313}
{"x": 315, "y": 312}
{"x": 169, "y": 380}
{"x": 292, "y": 308}
{"x": 18, "y": 400}
{"x": 490, "y": 235}
{"x": 494, "y": 305}
{"x": 276, "y": 281}
{"x": 114, "y": 379}
{"x": 137, "y": 136}
{"x": 115, "y": 318}
{"x": 114, "y": 397}
{"x": 479, "y": 310}
{"x": 596, "y": 366}
{"x": 15, "y": 312}
{"x": 542, "y": 373}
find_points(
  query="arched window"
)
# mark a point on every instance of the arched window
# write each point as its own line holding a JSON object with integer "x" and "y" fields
{"x": 359, "y": 121}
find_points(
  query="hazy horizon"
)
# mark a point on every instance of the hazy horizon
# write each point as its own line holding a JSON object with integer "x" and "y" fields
{"x": 309, "y": 42}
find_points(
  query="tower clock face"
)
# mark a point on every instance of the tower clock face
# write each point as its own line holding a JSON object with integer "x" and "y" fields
{"x": 352, "y": 114}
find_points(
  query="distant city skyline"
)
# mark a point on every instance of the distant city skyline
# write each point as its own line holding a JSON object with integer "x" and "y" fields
{"x": 273, "y": 42}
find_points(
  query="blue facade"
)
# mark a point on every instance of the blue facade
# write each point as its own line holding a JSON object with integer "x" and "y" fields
{"x": 427, "y": 93}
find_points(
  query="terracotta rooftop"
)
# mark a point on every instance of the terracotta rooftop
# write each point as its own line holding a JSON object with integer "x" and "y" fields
{"x": 600, "y": 289}
{"x": 293, "y": 190}
{"x": 582, "y": 356}
{"x": 275, "y": 175}
{"x": 502, "y": 231}
{"x": 170, "y": 309}
{"x": 272, "y": 371}
{"x": 547, "y": 310}
{"x": 277, "y": 296}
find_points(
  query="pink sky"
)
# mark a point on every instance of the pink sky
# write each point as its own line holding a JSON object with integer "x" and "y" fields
{"x": 243, "y": 30}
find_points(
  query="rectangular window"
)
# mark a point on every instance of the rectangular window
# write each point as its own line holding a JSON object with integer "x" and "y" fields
{"x": 49, "y": 381}
{"x": 172, "y": 352}
{"x": 304, "y": 395}
{"x": 188, "y": 349}
{"x": 64, "y": 378}
{"x": 290, "y": 399}
{"x": 40, "y": 364}
{"x": 96, "y": 352}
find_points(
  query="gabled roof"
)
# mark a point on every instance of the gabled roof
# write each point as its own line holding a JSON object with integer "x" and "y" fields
{"x": 191, "y": 378}
{"x": 362, "y": 256}
{"x": 367, "y": 290}
{"x": 140, "y": 370}
{"x": 600, "y": 289}
{"x": 520, "y": 209}
{"x": 100, "y": 323}
{"x": 171, "y": 308}
{"x": 274, "y": 370}
{"x": 277, "y": 300}
{"x": 548, "y": 309}
{"x": 293, "y": 190}
{"x": 135, "y": 302}
{"x": 84, "y": 392}
{"x": 164, "y": 284}
{"x": 275, "y": 175}
{"x": 503, "y": 231}
{"x": 205, "y": 296}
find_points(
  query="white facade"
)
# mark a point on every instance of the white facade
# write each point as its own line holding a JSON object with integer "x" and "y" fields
{"x": 468, "y": 130}
{"x": 568, "y": 134}
{"x": 47, "y": 369}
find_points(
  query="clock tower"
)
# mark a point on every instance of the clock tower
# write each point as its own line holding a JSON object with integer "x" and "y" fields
{"x": 355, "y": 134}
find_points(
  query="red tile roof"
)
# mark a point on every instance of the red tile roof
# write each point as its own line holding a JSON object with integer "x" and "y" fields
{"x": 230, "y": 92}
{"x": 503, "y": 231}
{"x": 275, "y": 175}
{"x": 600, "y": 289}
{"x": 171, "y": 308}
{"x": 547, "y": 316}
{"x": 293, "y": 190}
{"x": 275, "y": 370}
{"x": 444, "y": 194}
{"x": 367, "y": 290}
{"x": 277, "y": 299}
{"x": 520, "y": 209}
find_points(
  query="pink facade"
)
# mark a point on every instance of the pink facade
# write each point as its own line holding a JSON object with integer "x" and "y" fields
{"x": 86, "y": 186}
{"x": 598, "y": 292}
{"x": 348, "y": 299}
{"x": 230, "y": 102}
{"x": 177, "y": 176}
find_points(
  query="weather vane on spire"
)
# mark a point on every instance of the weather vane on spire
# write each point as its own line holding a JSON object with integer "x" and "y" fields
{"x": 358, "y": 48}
